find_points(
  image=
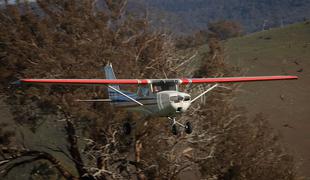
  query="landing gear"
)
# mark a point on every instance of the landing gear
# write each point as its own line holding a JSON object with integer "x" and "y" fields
{"x": 174, "y": 129}
{"x": 127, "y": 128}
{"x": 188, "y": 128}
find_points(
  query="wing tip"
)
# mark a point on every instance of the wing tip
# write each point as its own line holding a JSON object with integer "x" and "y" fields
{"x": 295, "y": 77}
{"x": 291, "y": 77}
{"x": 18, "y": 82}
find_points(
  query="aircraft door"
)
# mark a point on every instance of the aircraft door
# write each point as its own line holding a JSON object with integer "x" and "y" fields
{"x": 162, "y": 101}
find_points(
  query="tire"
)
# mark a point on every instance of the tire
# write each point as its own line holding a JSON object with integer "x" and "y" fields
{"x": 188, "y": 128}
{"x": 126, "y": 128}
{"x": 174, "y": 129}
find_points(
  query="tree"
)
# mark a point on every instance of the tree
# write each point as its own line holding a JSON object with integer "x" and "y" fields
{"x": 225, "y": 29}
{"x": 66, "y": 39}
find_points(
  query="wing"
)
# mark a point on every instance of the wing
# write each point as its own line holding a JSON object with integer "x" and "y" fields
{"x": 153, "y": 81}
{"x": 236, "y": 79}
{"x": 83, "y": 81}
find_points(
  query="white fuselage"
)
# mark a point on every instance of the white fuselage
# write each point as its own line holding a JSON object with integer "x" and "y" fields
{"x": 162, "y": 104}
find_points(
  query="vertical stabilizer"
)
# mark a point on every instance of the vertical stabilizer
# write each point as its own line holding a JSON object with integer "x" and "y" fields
{"x": 109, "y": 74}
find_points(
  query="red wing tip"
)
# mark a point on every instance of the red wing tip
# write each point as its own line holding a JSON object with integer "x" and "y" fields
{"x": 291, "y": 77}
{"x": 295, "y": 77}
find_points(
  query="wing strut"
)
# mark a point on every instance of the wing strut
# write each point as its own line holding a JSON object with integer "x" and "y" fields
{"x": 208, "y": 90}
{"x": 125, "y": 95}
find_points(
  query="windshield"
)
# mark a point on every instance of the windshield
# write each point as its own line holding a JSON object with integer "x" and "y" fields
{"x": 164, "y": 87}
{"x": 187, "y": 98}
{"x": 176, "y": 99}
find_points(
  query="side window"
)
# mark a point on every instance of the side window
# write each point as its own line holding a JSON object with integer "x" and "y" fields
{"x": 157, "y": 88}
{"x": 143, "y": 91}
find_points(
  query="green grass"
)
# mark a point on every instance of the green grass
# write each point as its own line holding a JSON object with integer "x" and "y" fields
{"x": 281, "y": 43}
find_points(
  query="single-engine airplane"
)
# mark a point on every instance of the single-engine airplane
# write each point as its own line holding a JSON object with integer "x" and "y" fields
{"x": 154, "y": 97}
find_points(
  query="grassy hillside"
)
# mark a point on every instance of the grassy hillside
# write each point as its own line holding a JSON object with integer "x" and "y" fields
{"x": 279, "y": 51}
{"x": 276, "y": 44}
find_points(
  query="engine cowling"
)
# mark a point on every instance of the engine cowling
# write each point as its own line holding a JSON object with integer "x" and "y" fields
{"x": 172, "y": 102}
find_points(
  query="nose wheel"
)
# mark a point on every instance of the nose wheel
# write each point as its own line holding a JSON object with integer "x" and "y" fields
{"x": 188, "y": 128}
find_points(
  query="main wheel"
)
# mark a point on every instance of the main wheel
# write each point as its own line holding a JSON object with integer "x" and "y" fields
{"x": 174, "y": 129}
{"x": 188, "y": 128}
{"x": 127, "y": 128}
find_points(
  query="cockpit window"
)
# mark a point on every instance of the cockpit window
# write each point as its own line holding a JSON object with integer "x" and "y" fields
{"x": 187, "y": 98}
{"x": 176, "y": 99}
{"x": 157, "y": 88}
{"x": 143, "y": 91}
{"x": 164, "y": 87}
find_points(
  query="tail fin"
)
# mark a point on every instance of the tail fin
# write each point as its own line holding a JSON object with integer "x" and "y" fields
{"x": 109, "y": 74}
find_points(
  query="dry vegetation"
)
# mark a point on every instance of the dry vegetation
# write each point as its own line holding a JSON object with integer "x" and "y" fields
{"x": 66, "y": 39}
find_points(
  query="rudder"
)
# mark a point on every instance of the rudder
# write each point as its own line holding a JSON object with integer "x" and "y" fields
{"x": 109, "y": 74}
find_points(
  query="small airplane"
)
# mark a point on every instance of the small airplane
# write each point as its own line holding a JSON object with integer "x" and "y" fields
{"x": 154, "y": 97}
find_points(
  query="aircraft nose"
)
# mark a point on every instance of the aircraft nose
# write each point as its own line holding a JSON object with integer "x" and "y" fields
{"x": 180, "y": 103}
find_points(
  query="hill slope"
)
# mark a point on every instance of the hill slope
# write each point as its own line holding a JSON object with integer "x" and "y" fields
{"x": 286, "y": 104}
